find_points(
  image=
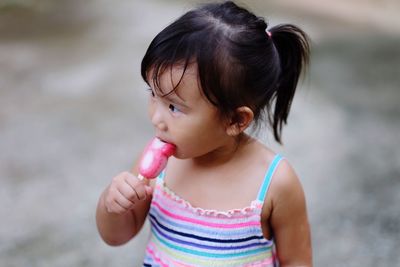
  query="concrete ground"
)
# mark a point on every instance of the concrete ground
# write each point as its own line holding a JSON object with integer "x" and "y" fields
{"x": 73, "y": 114}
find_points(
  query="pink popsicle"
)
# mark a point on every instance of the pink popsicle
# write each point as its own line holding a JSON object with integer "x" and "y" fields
{"x": 155, "y": 158}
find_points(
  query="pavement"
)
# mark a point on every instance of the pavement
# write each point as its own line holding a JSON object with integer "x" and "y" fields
{"x": 73, "y": 114}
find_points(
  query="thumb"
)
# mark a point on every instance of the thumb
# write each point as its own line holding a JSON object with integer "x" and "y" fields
{"x": 149, "y": 190}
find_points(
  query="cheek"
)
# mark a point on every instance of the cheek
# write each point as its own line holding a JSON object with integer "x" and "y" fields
{"x": 195, "y": 139}
{"x": 187, "y": 138}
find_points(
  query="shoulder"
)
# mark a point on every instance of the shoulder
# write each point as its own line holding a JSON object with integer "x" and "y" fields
{"x": 285, "y": 177}
{"x": 259, "y": 153}
{"x": 285, "y": 183}
{"x": 286, "y": 194}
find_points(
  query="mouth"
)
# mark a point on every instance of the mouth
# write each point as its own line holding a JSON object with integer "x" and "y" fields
{"x": 166, "y": 148}
{"x": 164, "y": 140}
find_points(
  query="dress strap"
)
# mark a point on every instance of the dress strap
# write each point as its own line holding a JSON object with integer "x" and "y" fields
{"x": 268, "y": 177}
{"x": 160, "y": 177}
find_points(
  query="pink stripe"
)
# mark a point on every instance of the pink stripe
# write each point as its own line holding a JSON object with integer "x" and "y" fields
{"x": 151, "y": 247}
{"x": 154, "y": 256}
{"x": 219, "y": 225}
{"x": 265, "y": 263}
{"x": 183, "y": 210}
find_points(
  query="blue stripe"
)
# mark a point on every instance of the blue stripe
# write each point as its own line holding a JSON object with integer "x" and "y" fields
{"x": 197, "y": 245}
{"x": 268, "y": 177}
{"x": 161, "y": 175}
{"x": 207, "y": 254}
{"x": 154, "y": 222}
{"x": 201, "y": 230}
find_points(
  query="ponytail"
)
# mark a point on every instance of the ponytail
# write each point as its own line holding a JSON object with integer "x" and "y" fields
{"x": 293, "y": 47}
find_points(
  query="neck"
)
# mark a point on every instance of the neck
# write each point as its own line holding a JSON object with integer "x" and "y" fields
{"x": 223, "y": 154}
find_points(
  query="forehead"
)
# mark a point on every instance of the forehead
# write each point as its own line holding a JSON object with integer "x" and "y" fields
{"x": 177, "y": 80}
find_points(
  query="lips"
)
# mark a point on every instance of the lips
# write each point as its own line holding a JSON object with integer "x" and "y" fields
{"x": 165, "y": 140}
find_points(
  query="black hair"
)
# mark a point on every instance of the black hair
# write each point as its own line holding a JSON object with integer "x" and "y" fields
{"x": 239, "y": 62}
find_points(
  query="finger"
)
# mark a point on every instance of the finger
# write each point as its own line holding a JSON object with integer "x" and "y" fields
{"x": 141, "y": 192}
{"x": 149, "y": 190}
{"x": 126, "y": 190}
{"x": 123, "y": 201}
{"x": 114, "y": 207}
{"x": 138, "y": 187}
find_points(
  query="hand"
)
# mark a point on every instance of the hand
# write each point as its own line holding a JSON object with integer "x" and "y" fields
{"x": 124, "y": 192}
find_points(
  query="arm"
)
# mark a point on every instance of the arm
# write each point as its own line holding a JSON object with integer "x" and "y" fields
{"x": 289, "y": 220}
{"x": 122, "y": 208}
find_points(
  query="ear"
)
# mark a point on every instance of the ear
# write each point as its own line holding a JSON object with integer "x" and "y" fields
{"x": 240, "y": 121}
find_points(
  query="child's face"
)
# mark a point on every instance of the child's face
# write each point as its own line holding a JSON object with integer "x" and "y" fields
{"x": 184, "y": 117}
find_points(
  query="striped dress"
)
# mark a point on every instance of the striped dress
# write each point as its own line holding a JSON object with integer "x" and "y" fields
{"x": 183, "y": 235}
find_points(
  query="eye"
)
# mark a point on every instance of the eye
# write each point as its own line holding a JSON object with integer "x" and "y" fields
{"x": 173, "y": 108}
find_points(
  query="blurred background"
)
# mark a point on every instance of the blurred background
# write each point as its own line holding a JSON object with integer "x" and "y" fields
{"x": 73, "y": 114}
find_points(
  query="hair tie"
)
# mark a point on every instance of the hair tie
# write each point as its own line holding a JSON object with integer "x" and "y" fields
{"x": 268, "y": 33}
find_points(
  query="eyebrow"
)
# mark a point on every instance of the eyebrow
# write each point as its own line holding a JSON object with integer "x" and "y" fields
{"x": 174, "y": 97}
{"x": 170, "y": 95}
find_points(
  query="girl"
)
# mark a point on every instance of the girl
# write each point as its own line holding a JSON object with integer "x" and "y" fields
{"x": 224, "y": 199}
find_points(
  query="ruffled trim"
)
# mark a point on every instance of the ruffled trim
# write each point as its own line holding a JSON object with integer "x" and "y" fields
{"x": 255, "y": 205}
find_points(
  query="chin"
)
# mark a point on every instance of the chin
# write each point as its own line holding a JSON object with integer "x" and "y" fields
{"x": 182, "y": 155}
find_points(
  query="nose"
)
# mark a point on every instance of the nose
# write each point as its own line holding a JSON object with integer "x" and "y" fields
{"x": 157, "y": 118}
